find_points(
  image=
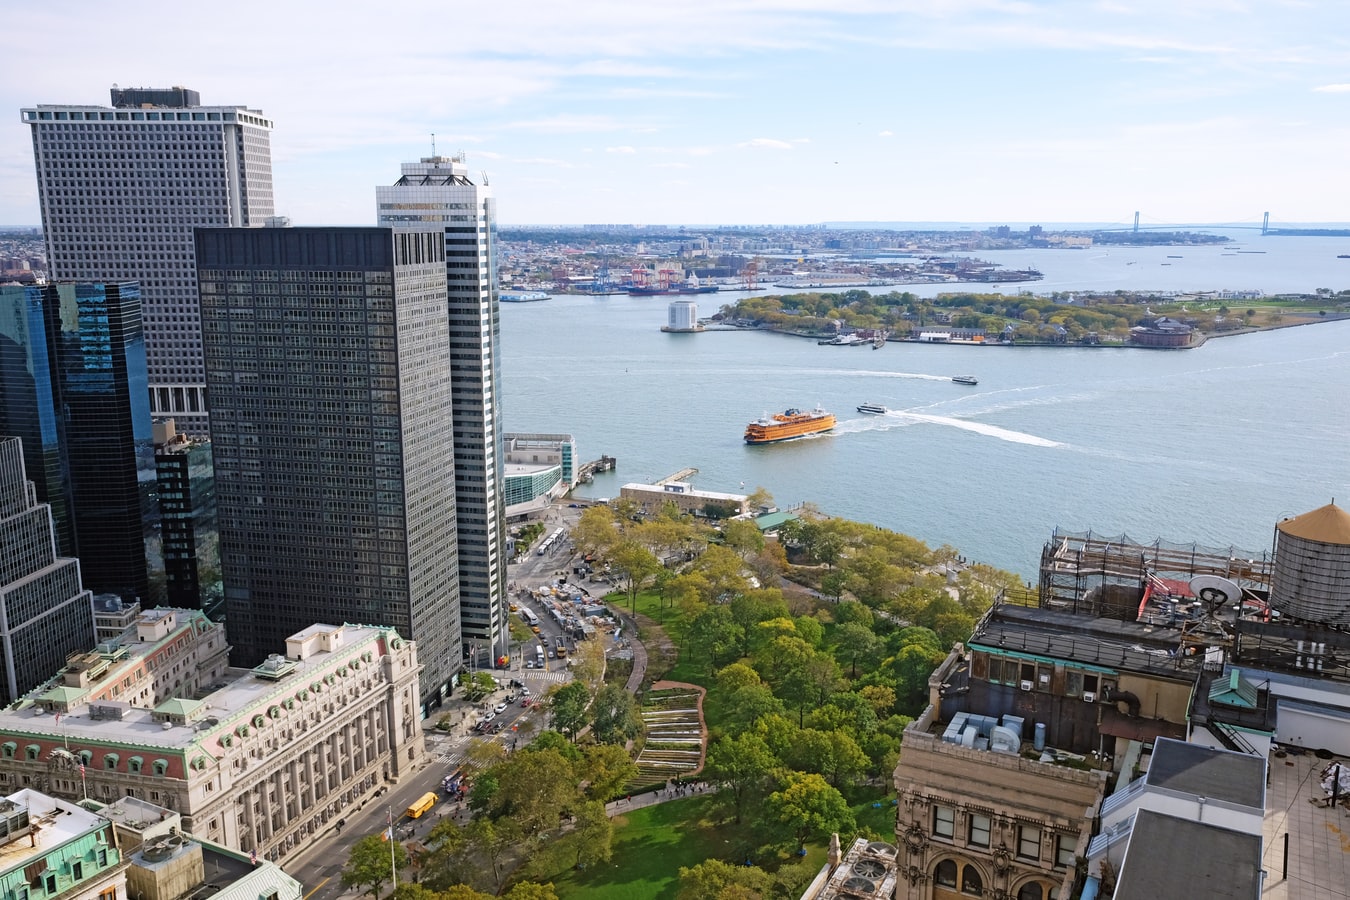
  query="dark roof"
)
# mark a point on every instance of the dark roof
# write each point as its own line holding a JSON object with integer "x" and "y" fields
{"x": 1208, "y": 772}
{"x": 1109, "y": 643}
{"x": 1171, "y": 857}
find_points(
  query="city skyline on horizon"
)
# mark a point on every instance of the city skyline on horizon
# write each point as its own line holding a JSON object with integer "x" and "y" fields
{"x": 784, "y": 111}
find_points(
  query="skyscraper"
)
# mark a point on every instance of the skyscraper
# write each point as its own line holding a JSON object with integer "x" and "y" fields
{"x": 327, "y": 359}
{"x": 121, "y": 189}
{"x": 72, "y": 358}
{"x": 47, "y": 615}
{"x": 438, "y": 192}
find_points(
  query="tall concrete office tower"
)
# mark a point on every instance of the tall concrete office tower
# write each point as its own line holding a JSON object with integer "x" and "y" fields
{"x": 438, "y": 192}
{"x": 327, "y": 359}
{"x": 121, "y": 189}
{"x": 47, "y": 614}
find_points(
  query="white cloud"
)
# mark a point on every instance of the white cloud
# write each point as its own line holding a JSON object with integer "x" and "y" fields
{"x": 1333, "y": 89}
{"x": 623, "y": 149}
{"x": 670, "y": 165}
{"x": 885, "y": 134}
{"x": 766, "y": 143}
{"x": 801, "y": 140}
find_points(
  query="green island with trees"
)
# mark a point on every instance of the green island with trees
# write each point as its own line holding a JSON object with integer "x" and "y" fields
{"x": 1076, "y": 318}
{"x": 814, "y": 650}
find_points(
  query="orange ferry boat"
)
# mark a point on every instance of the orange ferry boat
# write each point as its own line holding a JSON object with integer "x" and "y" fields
{"x": 786, "y": 425}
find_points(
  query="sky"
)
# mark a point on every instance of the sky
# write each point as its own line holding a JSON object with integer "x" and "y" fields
{"x": 779, "y": 112}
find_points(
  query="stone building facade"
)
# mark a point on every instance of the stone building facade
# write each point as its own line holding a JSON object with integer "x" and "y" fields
{"x": 253, "y": 759}
{"x": 979, "y": 822}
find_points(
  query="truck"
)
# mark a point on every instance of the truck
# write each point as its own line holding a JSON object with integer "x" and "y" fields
{"x": 559, "y": 648}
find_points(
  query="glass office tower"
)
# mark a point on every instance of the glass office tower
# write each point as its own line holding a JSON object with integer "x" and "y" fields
{"x": 75, "y": 390}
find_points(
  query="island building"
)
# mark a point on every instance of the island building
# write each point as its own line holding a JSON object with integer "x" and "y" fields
{"x": 73, "y": 376}
{"x": 328, "y": 361}
{"x": 189, "y": 539}
{"x": 45, "y": 612}
{"x": 121, "y": 189}
{"x": 1123, "y": 650}
{"x": 1162, "y": 332}
{"x": 259, "y": 760}
{"x": 651, "y": 498}
{"x": 682, "y": 317}
{"x": 538, "y": 468}
{"x": 437, "y": 192}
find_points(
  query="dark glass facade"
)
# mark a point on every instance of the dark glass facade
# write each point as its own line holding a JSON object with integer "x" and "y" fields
{"x": 79, "y": 397}
{"x": 327, "y": 364}
{"x": 28, "y": 403}
{"x": 189, "y": 542}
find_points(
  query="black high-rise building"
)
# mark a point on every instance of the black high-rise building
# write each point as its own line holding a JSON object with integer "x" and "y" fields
{"x": 328, "y": 363}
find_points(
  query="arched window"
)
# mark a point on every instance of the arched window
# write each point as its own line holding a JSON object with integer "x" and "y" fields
{"x": 971, "y": 882}
{"x": 945, "y": 874}
{"x": 1031, "y": 891}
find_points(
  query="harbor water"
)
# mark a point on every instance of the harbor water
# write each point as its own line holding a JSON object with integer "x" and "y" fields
{"x": 1212, "y": 445}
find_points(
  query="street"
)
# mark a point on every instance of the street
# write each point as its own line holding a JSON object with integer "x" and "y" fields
{"x": 318, "y": 867}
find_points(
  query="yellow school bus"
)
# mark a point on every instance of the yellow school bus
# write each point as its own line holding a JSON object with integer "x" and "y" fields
{"x": 424, "y": 804}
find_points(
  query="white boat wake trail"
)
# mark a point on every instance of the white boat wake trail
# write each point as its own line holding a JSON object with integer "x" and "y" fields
{"x": 1003, "y": 434}
{"x": 900, "y": 419}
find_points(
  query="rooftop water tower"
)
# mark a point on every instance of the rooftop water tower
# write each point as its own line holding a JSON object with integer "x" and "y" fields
{"x": 1311, "y": 579}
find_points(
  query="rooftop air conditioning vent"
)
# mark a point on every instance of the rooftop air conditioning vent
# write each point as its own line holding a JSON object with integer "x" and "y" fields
{"x": 161, "y": 848}
{"x": 869, "y": 868}
{"x": 861, "y": 886}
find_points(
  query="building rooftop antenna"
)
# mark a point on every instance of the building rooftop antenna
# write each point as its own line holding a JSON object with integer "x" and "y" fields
{"x": 433, "y": 144}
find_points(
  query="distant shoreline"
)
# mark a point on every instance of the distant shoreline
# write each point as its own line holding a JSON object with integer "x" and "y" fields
{"x": 1200, "y": 337}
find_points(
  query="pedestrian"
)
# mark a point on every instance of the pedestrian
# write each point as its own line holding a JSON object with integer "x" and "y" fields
{"x": 630, "y": 798}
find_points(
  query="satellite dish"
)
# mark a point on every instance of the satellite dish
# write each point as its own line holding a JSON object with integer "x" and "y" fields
{"x": 1215, "y": 591}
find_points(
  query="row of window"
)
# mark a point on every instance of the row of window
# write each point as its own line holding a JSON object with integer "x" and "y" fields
{"x": 135, "y": 764}
{"x": 967, "y": 880}
{"x": 978, "y": 834}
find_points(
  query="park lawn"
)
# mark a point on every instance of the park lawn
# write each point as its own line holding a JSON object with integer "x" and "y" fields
{"x": 652, "y": 843}
{"x": 650, "y": 846}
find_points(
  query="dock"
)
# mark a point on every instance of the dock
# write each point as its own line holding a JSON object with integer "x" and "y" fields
{"x": 588, "y": 470}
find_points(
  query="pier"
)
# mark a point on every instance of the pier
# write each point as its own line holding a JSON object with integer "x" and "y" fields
{"x": 588, "y": 470}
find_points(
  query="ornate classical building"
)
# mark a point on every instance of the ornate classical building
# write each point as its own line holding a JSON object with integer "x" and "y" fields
{"x": 978, "y": 819}
{"x": 254, "y": 759}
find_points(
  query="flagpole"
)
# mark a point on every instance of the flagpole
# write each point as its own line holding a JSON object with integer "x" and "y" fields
{"x": 393, "y": 866}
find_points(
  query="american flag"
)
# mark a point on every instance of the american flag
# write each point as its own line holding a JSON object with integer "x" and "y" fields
{"x": 81, "y": 770}
{"x": 253, "y": 856}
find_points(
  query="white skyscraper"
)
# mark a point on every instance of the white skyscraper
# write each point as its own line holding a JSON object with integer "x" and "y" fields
{"x": 438, "y": 190}
{"x": 121, "y": 189}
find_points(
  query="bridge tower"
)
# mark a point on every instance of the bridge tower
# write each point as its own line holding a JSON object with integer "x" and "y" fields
{"x": 1265, "y": 224}
{"x": 1136, "y": 221}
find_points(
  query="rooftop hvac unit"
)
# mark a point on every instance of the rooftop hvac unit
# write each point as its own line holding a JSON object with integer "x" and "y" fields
{"x": 1026, "y": 685}
{"x": 1089, "y": 697}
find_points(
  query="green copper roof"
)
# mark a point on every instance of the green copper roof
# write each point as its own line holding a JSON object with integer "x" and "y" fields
{"x": 1233, "y": 691}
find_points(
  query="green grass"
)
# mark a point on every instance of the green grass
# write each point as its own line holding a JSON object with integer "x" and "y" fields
{"x": 650, "y": 846}
{"x": 652, "y": 843}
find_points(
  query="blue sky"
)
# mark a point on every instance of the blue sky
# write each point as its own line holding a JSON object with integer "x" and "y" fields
{"x": 744, "y": 111}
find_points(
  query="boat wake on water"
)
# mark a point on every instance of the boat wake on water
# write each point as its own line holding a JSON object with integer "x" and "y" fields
{"x": 1003, "y": 434}
{"x": 900, "y": 419}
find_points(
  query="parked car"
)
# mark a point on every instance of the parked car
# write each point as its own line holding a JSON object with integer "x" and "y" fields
{"x": 501, "y": 707}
